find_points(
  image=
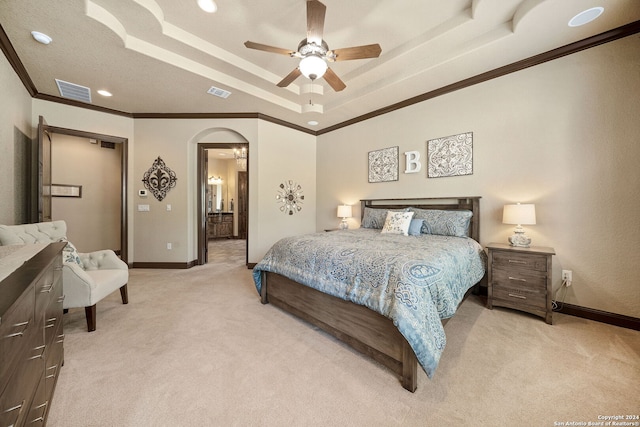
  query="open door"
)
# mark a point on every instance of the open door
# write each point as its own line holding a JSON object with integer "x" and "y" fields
{"x": 203, "y": 167}
{"x": 41, "y": 209}
{"x": 44, "y": 172}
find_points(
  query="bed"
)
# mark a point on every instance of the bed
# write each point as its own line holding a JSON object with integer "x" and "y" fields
{"x": 383, "y": 293}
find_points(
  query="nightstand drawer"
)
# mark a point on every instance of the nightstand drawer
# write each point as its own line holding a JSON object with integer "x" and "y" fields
{"x": 519, "y": 278}
{"x": 532, "y": 297}
{"x": 516, "y": 260}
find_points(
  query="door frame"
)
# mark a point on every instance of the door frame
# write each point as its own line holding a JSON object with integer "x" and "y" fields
{"x": 124, "y": 223}
{"x": 201, "y": 191}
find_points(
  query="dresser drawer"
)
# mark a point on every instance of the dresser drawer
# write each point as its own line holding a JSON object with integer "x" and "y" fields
{"x": 16, "y": 398}
{"x": 515, "y": 260}
{"x": 55, "y": 357}
{"x": 48, "y": 287}
{"x": 16, "y": 328}
{"x": 535, "y": 298}
{"x": 519, "y": 278}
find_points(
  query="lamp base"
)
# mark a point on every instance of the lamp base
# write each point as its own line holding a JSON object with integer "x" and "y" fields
{"x": 519, "y": 239}
{"x": 343, "y": 224}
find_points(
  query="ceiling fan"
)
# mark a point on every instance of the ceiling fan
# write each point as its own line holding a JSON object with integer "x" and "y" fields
{"x": 314, "y": 53}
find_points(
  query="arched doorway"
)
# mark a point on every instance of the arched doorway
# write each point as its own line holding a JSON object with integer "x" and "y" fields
{"x": 222, "y": 213}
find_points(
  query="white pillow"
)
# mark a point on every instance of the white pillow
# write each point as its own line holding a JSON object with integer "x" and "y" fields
{"x": 397, "y": 223}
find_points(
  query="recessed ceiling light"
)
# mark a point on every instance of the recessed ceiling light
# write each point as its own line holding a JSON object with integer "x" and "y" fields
{"x": 104, "y": 92}
{"x": 312, "y": 122}
{"x": 586, "y": 16}
{"x": 41, "y": 37}
{"x": 208, "y": 5}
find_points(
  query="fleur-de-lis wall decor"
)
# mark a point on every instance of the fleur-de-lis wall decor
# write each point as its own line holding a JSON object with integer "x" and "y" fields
{"x": 159, "y": 179}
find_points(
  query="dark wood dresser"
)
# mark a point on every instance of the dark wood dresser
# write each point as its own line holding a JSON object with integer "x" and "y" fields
{"x": 31, "y": 338}
{"x": 520, "y": 278}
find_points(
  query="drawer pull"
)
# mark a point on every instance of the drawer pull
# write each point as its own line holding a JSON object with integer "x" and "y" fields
{"x": 15, "y": 408}
{"x": 517, "y": 296}
{"x": 517, "y": 279}
{"x": 55, "y": 368}
{"x": 47, "y": 289}
{"x": 40, "y": 356}
{"x": 60, "y": 339}
{"x": 21, "y": 333}
{"x": 50, "y": 323}
{"x": 517, "y": 261}
{"x": 42, "y": 407}
{"x": 60, "y": 299}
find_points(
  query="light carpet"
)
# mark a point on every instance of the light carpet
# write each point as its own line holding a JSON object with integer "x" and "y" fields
{"x": 197, "y": 348}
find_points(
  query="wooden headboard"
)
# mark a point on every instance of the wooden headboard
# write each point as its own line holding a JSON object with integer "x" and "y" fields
{"x": 445, "y": 203}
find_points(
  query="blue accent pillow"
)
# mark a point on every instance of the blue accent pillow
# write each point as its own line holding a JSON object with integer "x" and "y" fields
{"x": 443, "y": 222}
{"x": 415, "y": 228}
{"x": 70, "y": 253}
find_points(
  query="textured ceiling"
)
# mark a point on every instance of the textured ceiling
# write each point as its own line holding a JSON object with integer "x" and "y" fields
{"x": 161, "y": 56}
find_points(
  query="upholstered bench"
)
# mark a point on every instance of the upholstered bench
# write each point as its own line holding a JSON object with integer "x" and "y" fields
{"x": 86, "y": 277}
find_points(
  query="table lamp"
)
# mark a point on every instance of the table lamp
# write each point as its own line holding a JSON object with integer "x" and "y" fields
{"x": 344, "y": 212}
{"x": 519, "y": 214}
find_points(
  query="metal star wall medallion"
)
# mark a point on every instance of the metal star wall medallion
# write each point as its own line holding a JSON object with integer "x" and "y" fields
{"x": 291, "y": 197}
{"x": 159, "y": 179}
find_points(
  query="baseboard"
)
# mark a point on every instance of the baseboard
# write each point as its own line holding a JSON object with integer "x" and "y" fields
{"x": 164, "y": 265}
{"x": 600, "y": 316}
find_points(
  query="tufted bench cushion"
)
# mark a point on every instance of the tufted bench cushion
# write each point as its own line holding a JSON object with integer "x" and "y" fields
{"x": 42, "y": 232}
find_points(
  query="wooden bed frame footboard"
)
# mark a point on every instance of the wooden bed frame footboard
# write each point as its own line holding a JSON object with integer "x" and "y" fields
{"x": 361, "y": 328}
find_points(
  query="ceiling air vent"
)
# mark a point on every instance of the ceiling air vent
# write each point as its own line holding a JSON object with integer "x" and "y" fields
{"x": 74, "y": 91}
{"x": 219, "y": 92}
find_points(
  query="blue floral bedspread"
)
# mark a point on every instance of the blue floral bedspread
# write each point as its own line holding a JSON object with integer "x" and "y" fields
{"x": 414, "y": 280}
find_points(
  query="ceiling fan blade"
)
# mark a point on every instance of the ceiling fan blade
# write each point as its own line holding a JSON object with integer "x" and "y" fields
{"x": 290, "y": 78}
{"x": 357, "y": 52}
{"x": 267, "y": 48}
{"x": 315, "y": 21}
{"x": 333, "y": 80}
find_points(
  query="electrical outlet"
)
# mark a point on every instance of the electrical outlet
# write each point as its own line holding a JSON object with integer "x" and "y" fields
{"x": 169, "y": 246}
{"x": 567, "y": 276}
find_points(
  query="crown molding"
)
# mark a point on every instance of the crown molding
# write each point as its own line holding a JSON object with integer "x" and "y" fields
{"x": 597, "y": 40}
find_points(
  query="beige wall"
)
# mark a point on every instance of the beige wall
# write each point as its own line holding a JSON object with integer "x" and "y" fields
{"x": 93, "y": 220}
{"x": 176, "y": 142}
{"x": 563, "y": 135}
{"x": 15, "y": 133}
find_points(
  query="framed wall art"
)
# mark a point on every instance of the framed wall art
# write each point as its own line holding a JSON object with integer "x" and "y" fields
{"x": 66, "y": 190}
{"x": 384, "y": 165}
{"x": 450, "y": 155}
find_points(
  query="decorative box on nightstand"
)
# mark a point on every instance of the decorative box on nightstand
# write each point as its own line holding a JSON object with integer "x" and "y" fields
{"x": 520, "y": 278}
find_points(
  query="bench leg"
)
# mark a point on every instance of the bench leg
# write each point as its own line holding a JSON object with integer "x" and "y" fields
{"x": 124, "y": 294}
{"x": 90, "y": 312}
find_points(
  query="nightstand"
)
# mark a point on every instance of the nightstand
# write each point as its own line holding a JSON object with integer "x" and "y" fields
{"x": 520, "y": 278}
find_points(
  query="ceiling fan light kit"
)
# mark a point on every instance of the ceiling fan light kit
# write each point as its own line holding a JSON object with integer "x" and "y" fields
{"x": 314, "y": 53}
{"x": 313, "y": 67}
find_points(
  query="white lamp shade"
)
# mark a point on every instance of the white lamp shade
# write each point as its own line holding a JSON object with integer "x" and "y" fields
{"x": 519, "y": 214}
{"x": 313, "y": 67}
{"x": 344, "y": 211}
